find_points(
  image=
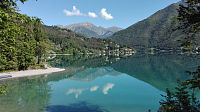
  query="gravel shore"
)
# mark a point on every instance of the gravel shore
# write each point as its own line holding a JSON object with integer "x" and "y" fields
{"x": 26, "y": 73}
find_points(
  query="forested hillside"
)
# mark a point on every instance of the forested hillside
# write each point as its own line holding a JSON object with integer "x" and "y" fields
{"x": 66, "y": 41}
{"x": 158, "y": 31}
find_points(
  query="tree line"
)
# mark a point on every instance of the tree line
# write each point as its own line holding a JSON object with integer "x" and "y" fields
{"x": 23, "y": 42}
{"x": 184, "y": 98}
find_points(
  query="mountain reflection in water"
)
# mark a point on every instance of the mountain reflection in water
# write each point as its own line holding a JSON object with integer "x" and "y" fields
{"x": 98, "y": 84}
{"x": 161, "y": 70}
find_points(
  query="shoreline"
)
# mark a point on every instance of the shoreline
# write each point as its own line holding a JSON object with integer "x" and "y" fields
{"x": 28, "y": 73}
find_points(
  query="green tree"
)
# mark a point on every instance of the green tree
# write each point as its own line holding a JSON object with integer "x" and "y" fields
{"x": 195, "y": 81}
{"x": 9, "y": 32}
{"x": 9, "y": 4}
{"x": 189, "y": 15}
{"x": 22, "y": 38}
{"x": 184, "y": 99}
{"x": 189, "y": 19}
{"x": 42, "y": 45}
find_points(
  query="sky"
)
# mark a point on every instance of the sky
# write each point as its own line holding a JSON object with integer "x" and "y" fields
{"x": 106, "y": 13}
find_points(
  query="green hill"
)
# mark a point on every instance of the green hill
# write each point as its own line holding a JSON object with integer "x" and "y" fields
{"x": 66, "y": 41}
{"x": 156, "y": 31}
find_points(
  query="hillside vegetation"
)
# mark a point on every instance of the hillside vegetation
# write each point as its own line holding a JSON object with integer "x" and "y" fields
{"x": 23, "y": 43}
{"x": 157, "y": 31}
{"x": 66, "y": 41}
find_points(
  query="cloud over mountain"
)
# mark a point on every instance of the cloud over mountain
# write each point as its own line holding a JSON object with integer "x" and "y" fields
{"x": 76, "y": 12}
{"x": 92, "y": 15}
{"x": 105, "y": 15}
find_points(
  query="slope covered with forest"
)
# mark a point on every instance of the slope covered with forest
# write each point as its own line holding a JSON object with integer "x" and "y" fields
{"x": 66, "y": 41}
{"x": 158, "y": 31}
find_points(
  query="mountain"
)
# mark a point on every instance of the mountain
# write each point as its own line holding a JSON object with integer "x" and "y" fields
{"x": 157, "y": 31}
{"x": 114, "y": 29}
{"x": 67, "y": 41}
{"x": 90, "y": 30}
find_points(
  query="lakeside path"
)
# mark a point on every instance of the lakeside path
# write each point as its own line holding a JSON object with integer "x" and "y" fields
{"x": 27, "y": 73}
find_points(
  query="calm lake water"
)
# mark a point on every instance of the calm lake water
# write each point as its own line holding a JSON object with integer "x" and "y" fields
{"x": 89, "y": 84}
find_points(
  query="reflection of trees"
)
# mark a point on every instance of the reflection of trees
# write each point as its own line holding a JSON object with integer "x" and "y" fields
{"x": 76, "y": 107}
{"x": 25, "y": 95}
{"x": 81, "y": 60}
{"x": 161, "y": 71}
{"x": 30, "y": 94}
{"x": 3, "y": 89}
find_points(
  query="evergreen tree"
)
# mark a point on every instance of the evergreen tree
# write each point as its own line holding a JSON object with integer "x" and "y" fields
{"x": 189, "y": 19}
{"x": 189, "y": 15}
{"x": 184, "y": 99}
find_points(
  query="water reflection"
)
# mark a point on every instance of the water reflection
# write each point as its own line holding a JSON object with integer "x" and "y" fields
{"x": 90, "y": 74}
{"x": 94, "y": 88}
{"x": 76, "y": 107}
{"x": 29, "y": 95}
{"x": 107, "y": 88}
{"x": 83, "y": 60}
{"x": 78, "y": 91}
{"x": 95, "y": 84}
{"x": 161, "y": 70}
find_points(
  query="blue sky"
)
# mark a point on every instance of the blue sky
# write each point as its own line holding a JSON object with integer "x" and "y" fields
{"x": 122, "y": 13}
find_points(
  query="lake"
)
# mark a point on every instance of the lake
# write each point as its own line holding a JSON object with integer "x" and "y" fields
{"x": 99, "y": 84}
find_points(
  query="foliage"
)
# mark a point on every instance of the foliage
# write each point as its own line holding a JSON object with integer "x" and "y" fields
{"x": 66, "y": 41}
{"x": 189, "y": 15}
{"x": 42, "y": 44}
{"x": 9, "y": 4}
{"x": 189, "y": 19}
{"x": 184, "y": 99}
{"x": 195, "y": 81}
{"x": 3, "y": 89}
{"x": 20, "y": 36}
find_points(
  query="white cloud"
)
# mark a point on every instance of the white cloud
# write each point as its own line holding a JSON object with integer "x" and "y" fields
{"x": 105, "y": 15}
{"x": 107, "y": 87}
{"x": 94, "y": 88}
{"x": 92, "y": 15}
{"x": 74, "y": 12}
{"x": 76, "y": 92}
